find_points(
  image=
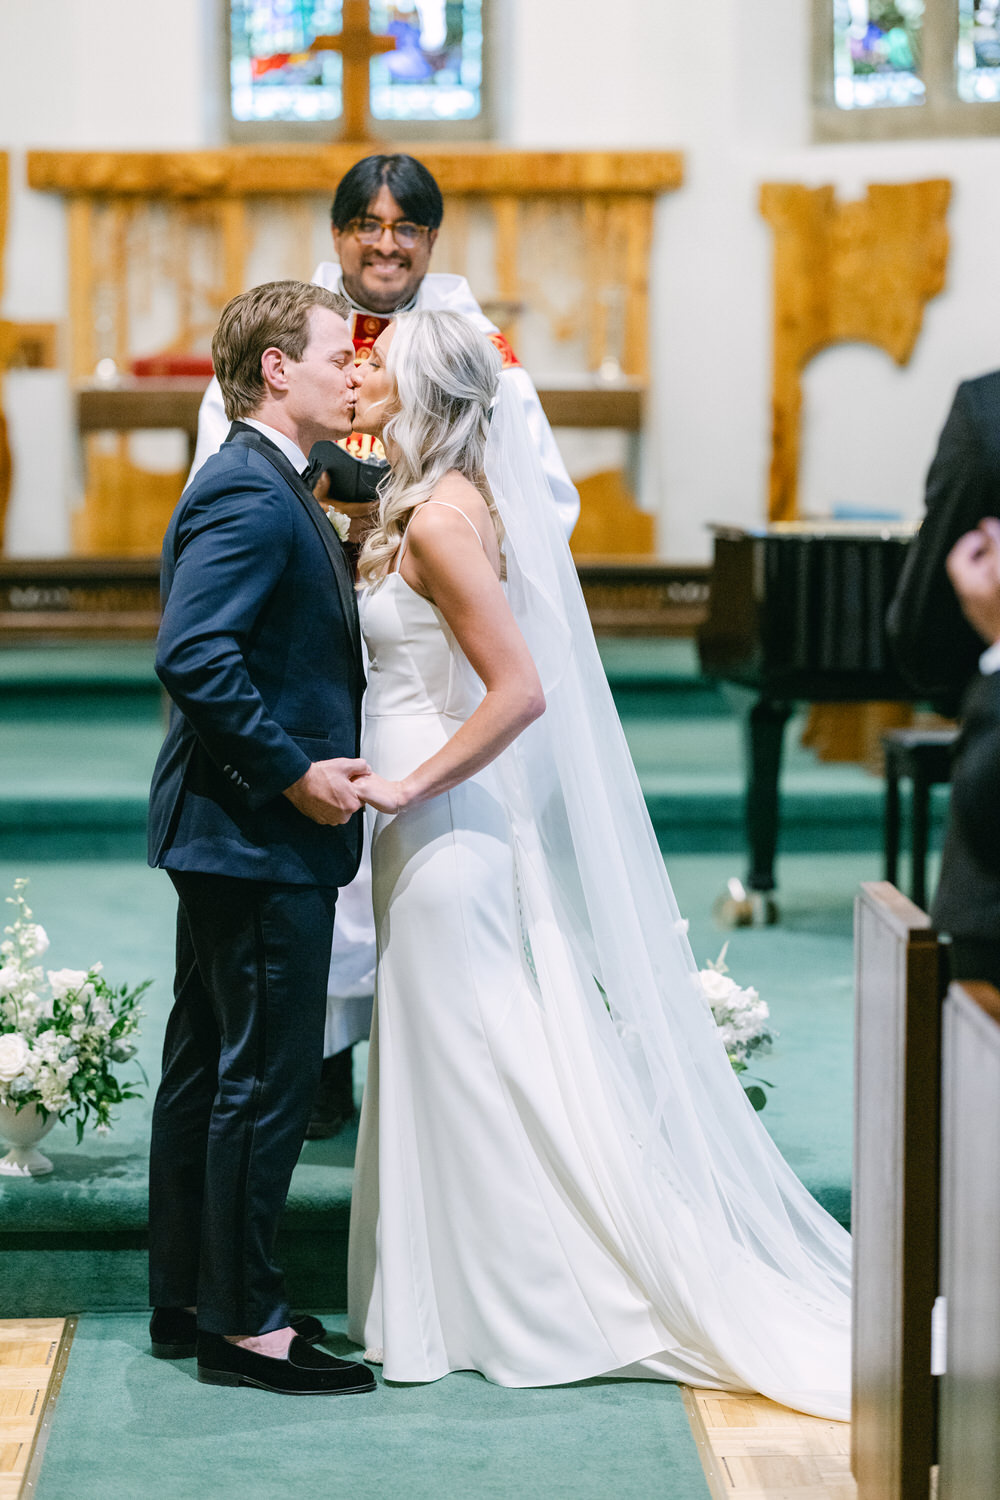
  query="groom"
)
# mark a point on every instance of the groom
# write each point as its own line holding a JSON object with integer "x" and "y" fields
{"x": 254, "y": 816}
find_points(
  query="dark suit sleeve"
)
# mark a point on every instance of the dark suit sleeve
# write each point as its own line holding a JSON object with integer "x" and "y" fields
{"x": 935, "y": 647}
{"x": 351, "y": 481}
{"x": 975, "y": 791}
{"x": 232, "y": 547}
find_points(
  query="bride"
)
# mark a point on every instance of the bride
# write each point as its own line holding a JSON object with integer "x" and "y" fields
{"x": 558, "y": 1174}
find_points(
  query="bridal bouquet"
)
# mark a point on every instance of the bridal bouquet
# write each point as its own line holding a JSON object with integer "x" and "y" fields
{"x": 742, "y": 1017}
{"x": 61, "y": 1034}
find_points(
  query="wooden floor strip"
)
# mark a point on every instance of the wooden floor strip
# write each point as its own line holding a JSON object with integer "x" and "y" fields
{"x": 753, "y": 1449}
{"x": 33, "y": 1355}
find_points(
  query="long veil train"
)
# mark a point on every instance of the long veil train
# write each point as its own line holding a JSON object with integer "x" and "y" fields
{"x": 749, "y": 1273}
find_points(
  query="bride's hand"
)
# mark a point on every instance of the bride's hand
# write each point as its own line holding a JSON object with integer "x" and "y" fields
{"x": 385, "y": 796}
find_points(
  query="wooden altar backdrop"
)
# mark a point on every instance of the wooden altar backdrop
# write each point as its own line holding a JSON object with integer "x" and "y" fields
{"x": 556, "y": 246}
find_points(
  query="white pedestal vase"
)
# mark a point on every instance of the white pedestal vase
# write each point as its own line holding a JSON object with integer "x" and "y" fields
{"x": 24, "y": 1128}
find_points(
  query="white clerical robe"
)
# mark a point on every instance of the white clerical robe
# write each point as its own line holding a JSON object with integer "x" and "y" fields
{"x": 352, "y": 963}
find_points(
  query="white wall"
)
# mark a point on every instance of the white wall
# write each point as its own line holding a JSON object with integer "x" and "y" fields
{"x": 120, "y": 74}
{"x": 727, "y": 84}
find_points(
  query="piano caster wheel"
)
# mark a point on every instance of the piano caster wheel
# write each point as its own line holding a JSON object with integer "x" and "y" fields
{"x": 742, "y": 908}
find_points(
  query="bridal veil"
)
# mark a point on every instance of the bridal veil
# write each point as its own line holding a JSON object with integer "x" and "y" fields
{"x": 749, "y": 1273}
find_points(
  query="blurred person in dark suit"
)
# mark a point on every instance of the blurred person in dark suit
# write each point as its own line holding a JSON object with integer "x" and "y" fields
{"x": 935, "y": 646}
{"x": 967, "y": 903}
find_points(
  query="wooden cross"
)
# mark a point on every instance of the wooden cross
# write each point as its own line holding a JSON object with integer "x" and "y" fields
{"x": 22, "y": 345}
{"x": 357, "y": 47}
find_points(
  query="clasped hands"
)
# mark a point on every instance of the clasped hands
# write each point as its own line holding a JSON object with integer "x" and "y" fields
{"x": 974, "y": 569}
{"x": 331, "y": 791}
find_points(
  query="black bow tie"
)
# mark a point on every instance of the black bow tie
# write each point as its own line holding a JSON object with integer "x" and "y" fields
{"x": 310, "y": 474}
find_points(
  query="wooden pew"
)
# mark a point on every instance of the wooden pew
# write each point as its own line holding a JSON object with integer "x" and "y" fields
{"x": 969, "y": 1439}
{"x": 894, "y": 1215}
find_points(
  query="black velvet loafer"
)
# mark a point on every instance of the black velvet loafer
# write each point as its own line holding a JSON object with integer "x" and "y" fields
{"x": 333, "y": 1108}
{"x": 173, "y": 1332}
{"x": 306, "y": 1371}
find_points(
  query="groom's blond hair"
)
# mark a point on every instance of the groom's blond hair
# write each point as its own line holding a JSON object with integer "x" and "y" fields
{"x": 272, "y": 316}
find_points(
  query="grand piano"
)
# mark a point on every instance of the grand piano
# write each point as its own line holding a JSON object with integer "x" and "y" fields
{"x": 796, "y": 613}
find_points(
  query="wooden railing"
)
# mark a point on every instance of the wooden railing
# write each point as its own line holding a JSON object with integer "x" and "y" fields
{"x": 85, "y": 598}
{"x": 78, "y": 599}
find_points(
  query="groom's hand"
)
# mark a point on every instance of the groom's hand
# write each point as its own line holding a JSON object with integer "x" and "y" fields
{"x": 326, "y": 792}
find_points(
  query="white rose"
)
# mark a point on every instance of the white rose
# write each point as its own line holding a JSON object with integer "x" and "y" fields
{"x": 14, "y": 1053}
{"x": 339, "y": 521}
{"x": 66, "y": 981}
{"x": 716, "y": 986}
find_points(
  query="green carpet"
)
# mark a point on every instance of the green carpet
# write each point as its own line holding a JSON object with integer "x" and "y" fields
{"x": 75, "y": 1240}
{"x": 79, "y": 728}
{"x": 128, "y": 1425}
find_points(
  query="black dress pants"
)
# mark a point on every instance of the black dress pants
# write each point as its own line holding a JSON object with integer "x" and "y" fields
{"x": 241, "y": 1062}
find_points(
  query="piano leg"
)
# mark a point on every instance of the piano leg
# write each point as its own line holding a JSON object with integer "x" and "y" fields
{"x": 764, "y": 734}
{"x": 762, "y": 722}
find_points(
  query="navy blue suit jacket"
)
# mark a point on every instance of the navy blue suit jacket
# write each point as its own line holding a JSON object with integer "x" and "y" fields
{"x": 260, "y": 651}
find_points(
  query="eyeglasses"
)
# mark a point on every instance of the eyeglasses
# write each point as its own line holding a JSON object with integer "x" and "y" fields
{"x": 369, "y": 231}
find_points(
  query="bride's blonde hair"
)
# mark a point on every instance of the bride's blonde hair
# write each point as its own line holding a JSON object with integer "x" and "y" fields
{"x": 444, "y": 375}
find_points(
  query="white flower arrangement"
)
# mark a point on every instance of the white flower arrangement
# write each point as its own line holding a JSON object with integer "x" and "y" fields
{"x": 57, "y": 1050}
{"x": 742, "y": 1018}
{"x": 340, "y": 522}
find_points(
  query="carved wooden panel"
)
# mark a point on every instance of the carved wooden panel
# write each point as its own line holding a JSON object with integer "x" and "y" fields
{"x": 24, "y": 345}
{"x": 845, "y": 272}
{"x": 555, "y": 245}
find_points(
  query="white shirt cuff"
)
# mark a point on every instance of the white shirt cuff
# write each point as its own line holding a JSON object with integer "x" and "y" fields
{"x": 989, "y": 662}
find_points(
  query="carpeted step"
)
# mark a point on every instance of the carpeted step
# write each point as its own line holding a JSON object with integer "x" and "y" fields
{"x": 82, "y": 683}
{"x": 78, "y": 1238}
{"x": 75, "y": 1240}
{"x": 80, "y": 733}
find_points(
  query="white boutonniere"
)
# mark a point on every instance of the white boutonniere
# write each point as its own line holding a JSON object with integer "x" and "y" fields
{"x": 340, "y": 523}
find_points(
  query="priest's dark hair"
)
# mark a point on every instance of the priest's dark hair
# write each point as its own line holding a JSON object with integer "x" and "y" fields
{"x": 407, "y": 179}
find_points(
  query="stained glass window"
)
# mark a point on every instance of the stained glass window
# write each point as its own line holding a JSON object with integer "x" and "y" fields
{"x": 436, "y": 71}
{"x": 434, "y": 74}
{"x": 273, "y": 75}
{"x": 877, "y": 53}
{"x": 978, "y": 62}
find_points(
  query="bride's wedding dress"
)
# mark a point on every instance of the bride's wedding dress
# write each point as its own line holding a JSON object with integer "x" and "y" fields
{"x": 558, "y": 1175}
